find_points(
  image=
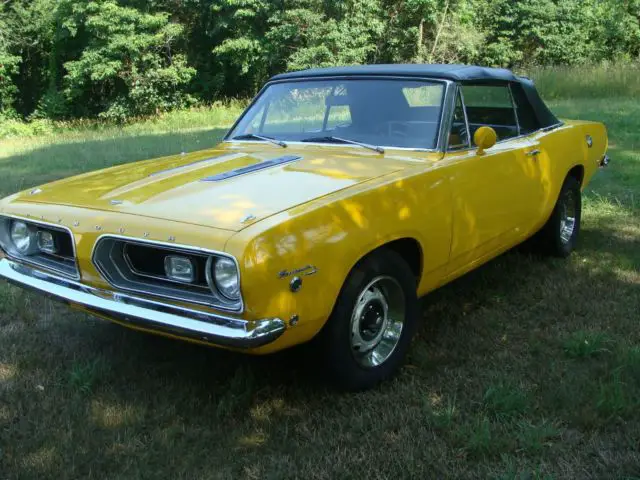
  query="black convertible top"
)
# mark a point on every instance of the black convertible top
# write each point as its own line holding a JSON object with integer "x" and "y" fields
{"x": 457, "y": 73}
{"x": 446, "y": 72}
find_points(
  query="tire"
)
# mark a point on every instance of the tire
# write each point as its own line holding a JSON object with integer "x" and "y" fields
{"x": 360, "y": 345}
{"x": 559, "y": 235}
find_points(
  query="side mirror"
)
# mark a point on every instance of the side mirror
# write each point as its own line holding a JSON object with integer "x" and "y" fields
{"x": 485, "y": 138}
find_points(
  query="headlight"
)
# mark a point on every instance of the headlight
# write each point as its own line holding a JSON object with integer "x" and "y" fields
{"x": 226, "y": 278}
{"x": 23, "y": 237}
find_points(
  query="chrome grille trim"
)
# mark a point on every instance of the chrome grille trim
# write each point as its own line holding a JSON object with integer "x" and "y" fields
{"x": 217, "y": 300}
{"x": 49, "y": 265}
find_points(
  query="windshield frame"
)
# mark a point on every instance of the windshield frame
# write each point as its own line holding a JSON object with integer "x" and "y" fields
{"x": 445, "y": 108}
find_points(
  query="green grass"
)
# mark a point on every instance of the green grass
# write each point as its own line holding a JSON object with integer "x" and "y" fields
{"x": 525, "y": 368}
{"x": 608, "y": 80}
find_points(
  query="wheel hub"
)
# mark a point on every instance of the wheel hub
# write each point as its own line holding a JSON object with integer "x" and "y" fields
{"x": 567, "y": 217}
{"x": 376, "y": 321}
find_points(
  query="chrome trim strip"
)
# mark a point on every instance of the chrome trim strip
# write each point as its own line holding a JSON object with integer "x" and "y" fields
{"x": 140, "y": 312}
{"x": 446, "y": 114}
{"x": 514, "y": 108}
{"x": 466, "y": 119}
{"x": 343, "y": 145}
{"x": 175, "y": 247}
{"x": 54, "y": 226}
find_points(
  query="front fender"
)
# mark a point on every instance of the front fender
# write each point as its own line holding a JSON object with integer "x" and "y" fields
{"x": 321, "y": 241}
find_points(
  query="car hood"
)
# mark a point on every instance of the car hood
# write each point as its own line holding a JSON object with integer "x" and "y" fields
{"x": 228, "y": 187}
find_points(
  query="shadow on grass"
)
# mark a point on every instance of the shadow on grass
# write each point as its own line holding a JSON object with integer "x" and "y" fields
{"x": 60, "y": 160}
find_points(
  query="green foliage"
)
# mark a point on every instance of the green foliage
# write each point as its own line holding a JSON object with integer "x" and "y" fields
{"x": 128, "y": 67}
{"x": 8, "y": 69}
{"x": 8, "y": 89}
{"x": 119, "y": 59}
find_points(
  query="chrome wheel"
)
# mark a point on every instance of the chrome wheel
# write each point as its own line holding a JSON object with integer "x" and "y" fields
{"x": 567, "y": 217}
{"x": 377, "y": 321}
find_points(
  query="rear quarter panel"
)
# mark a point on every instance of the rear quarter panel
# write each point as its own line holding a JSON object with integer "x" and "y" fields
{"x": 563, "y": 149}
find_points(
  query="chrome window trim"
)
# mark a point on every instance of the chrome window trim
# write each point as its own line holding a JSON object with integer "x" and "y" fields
{"x": 175, "y": 247}
{"x": 48, "y": 268}
{"x": 458, "y": 91}
{"x": 334, "y": 145}
{"x": 439, "y": 144}
{"x": 515, "y": 109}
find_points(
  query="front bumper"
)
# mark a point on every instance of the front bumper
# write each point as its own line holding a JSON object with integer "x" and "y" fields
{"x": 147, "y": 314}
{"x": 604, "y": 162}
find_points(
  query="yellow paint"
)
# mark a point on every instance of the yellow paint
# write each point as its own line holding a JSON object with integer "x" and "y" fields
{"x": 328, "y": 209}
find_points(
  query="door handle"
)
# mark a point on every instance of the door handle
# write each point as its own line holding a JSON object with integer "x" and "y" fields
{"x": 533, "y": 153}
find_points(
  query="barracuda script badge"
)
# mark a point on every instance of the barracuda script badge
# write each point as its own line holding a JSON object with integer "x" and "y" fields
{"x": 304, "y": 271}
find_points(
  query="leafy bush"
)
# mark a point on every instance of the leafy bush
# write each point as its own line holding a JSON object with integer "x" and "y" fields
{"x": 118, "y": 59}
{"x": 128, "y": 67}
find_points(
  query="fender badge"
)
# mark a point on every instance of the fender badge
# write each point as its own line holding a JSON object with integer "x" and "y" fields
{"x": 304, "y": 271}
{"x": 116, "y": 202}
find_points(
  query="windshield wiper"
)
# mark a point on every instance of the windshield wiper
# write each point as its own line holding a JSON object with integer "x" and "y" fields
{"x": 330, "y": 138}
{"x": 249, "y": 136}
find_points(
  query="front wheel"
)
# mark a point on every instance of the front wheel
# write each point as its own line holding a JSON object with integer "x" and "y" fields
{"x": 559, "y": 235}
{"x": 368, "y": 334}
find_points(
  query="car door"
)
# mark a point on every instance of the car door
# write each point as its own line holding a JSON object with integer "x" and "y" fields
{"x": 495, "y": 195}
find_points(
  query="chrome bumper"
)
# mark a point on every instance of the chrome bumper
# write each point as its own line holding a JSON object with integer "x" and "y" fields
{"x": 148, "y": 314}
{"x": 604, "y": 162}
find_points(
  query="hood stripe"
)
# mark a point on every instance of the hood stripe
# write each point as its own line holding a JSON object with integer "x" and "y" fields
{"x": 252, "y": 168}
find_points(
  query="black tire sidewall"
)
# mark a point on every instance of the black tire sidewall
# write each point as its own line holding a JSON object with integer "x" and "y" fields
{"x": 335, "y": 338}
{"x": 552, "y": 241}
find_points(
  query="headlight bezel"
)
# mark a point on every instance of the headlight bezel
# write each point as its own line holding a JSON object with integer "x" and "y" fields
{"x": 64, "y": 264}
{"x": 118, "y": 273}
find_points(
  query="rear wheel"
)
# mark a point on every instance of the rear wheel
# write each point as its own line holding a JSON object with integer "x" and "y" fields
{"x": 559, "y": 235}
{"x": 368, "y": 334}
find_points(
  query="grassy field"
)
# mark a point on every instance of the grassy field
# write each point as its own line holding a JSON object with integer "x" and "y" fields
{"x": 526, "y": 368}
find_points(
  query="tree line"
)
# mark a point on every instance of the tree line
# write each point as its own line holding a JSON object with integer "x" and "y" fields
{"x": 116, "y": 59}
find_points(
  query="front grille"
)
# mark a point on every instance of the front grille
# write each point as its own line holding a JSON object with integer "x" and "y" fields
{"x": 63, "y": 261}
{"x": 138, "y": 266}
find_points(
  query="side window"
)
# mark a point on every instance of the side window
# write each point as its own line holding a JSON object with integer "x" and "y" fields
{"x": 490, "y": 105}
{"x": 459, "y": 135}
{"x": 526, "y": 115}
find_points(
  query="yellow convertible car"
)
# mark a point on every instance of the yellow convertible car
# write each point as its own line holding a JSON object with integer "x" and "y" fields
{"x": 338, "y": 198}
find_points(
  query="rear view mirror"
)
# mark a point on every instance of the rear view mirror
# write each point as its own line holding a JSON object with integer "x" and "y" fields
{"x": 485, "y": 138}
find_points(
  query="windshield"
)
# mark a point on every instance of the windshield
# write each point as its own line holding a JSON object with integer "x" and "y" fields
{"x": 393, "y": 113}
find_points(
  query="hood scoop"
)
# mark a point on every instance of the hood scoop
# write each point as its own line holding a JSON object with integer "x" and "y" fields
{"x": 197, "y": 163}
{"x": 273, "y": 162}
